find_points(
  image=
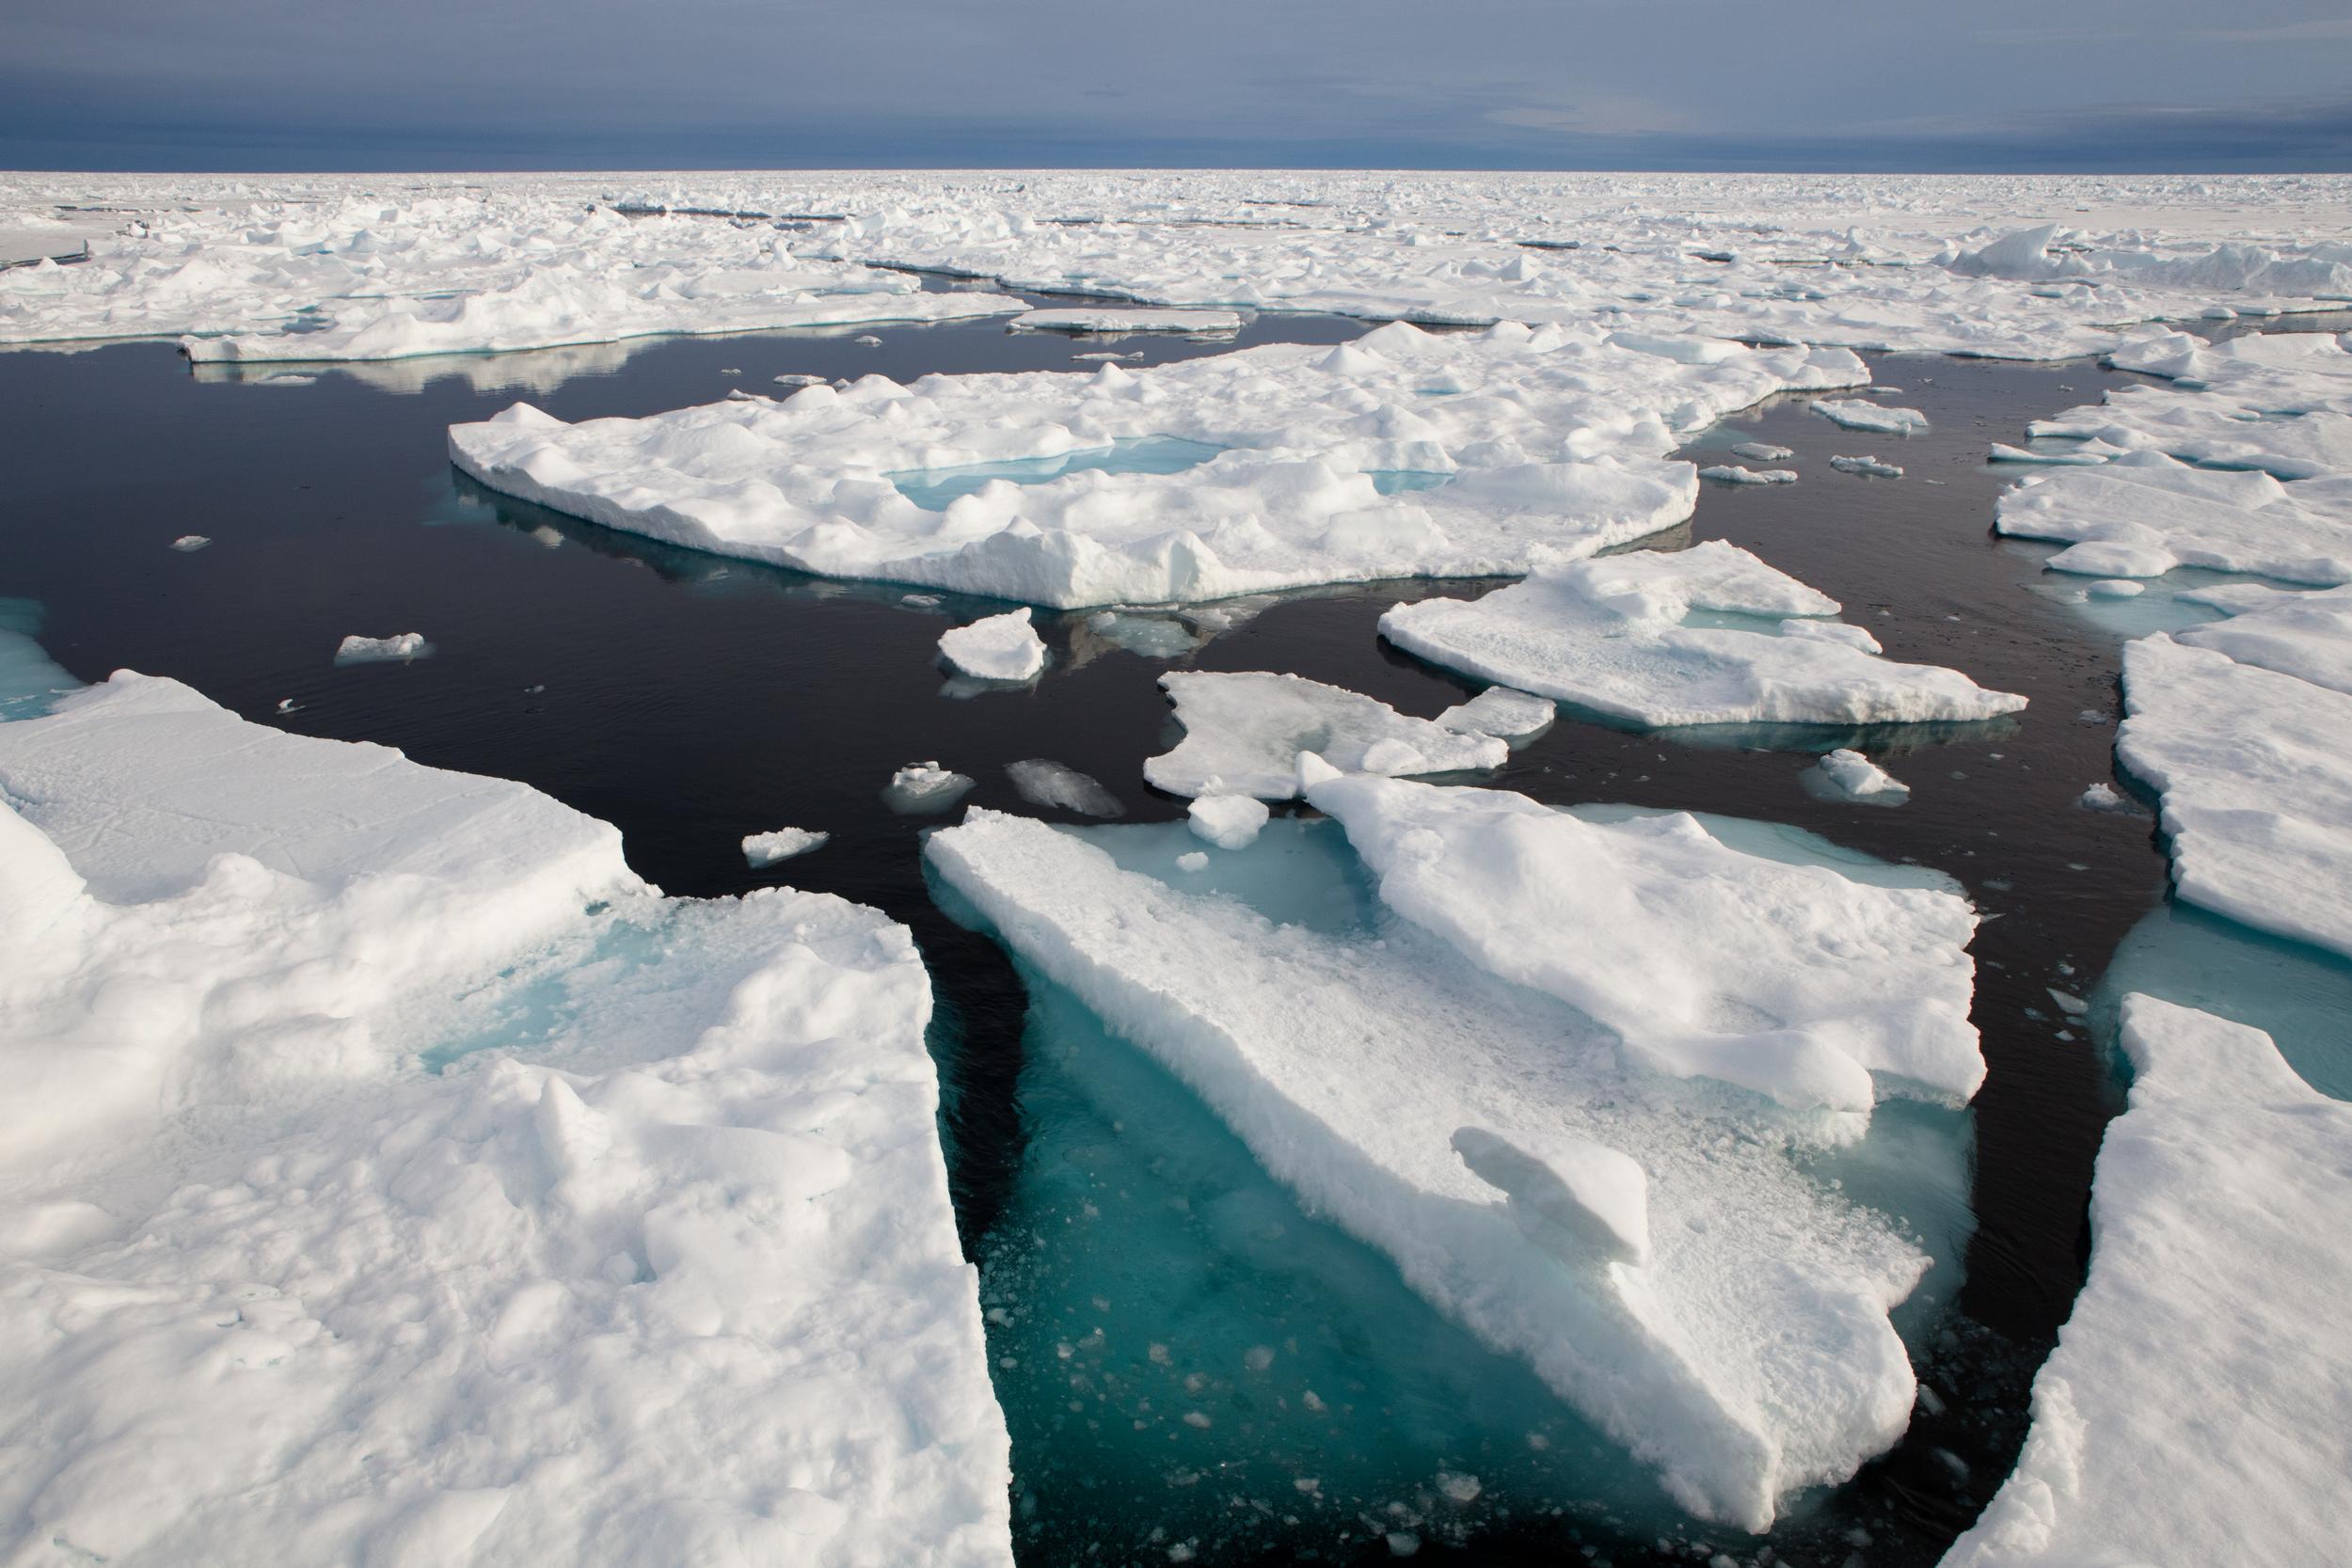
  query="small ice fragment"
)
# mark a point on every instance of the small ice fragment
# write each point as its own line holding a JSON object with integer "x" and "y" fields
{"x": 920, "y": 601}
{"x": 367, "y": 649}
{"x": 1192, "y": 860}
{"x": 1049, "y": 784}
{"x": 766, "y": 849}
{"x": 731, "y": 370}
{"x": 925, "y": 786}
{"x": 1228, "y": 821}
{"x": 799, "y": 381}
{"x": 1258, "y": 1358}
{"x": 1868, "y": 466}
{"x": 287, "y": 705}
{"x": 1403, "y": 1543}
{"x": 190, "y": 542}
{"x": 1873, "y": 417}
{"x": 867, "y": 339}
{"x": 1763, "y": 451}
{"x": 1459, "y": 1487}
{"x": 1105, "y": 356}
{"x": 1733, "y": 474}
{"x": 2104, "y": 796}
{"x": 2115, "y": 588}
{"x": 999, "y": 648}
{"x": 1856, "y": 777}
{"x": 2067, "y": 1003}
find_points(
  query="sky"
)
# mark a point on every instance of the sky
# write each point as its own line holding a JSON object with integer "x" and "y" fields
{"x": 1863, "y": 85}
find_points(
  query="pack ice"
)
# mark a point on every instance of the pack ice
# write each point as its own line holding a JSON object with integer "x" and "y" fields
{"x": 389, "y": 1175}
{"x": 1616, "y": 636}
{"x": 1404, "y": 453}
{"x": 2216, "y": 1216}
{"x": 1552, "y": 1087}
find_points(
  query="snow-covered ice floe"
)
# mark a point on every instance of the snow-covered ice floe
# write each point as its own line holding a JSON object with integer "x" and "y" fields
{"x": 1404, "y": 453}
{"x": 1502, "y": 712}
{"x": 1710, "y": 635}
{"x": 2217, "y": 1214}
{"x": 1520, "y": 1085}
{"x": 1854, "y": 414}
{"x": 389, "y": 1175}
{"x": 1739, "y": 473}
{"x": 2240, "y": 727}
{"x": 1848, "y": 775}
{"x": 1763, "y": 451}
{"x": 1243, "y": 734}
{"x": 1126, "y": 318}
{"x": 922, "y": 787}
{"x": 1867, "y": 467}
{"x": 1228, "y": 821}
{"x": 997, "y": 648}
{"x": 762, "y": 849}
{"x": 356, "y": 649}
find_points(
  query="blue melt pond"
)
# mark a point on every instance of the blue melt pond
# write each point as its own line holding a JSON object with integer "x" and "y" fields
{"x": 936, "y": 489}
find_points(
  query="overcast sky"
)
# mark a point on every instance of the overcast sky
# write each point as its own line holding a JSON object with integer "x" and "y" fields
{"x": 1569, "y": 84}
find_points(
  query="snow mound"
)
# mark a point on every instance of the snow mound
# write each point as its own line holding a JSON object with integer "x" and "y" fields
{"x": 2217, "y": 1212}
{"x": 1643, "y": 1240}
{"x": 1609, "y": 636}
{"x": 761, "y": 850}
{"x": 998, "y": 649}
{"x": 1243, "y": 734}
{"x": 661, "y": 1267}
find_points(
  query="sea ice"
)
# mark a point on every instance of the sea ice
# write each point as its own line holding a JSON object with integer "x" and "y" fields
{"x": 767, "y": 848}
{"x": 1050, "y": 784}
{"x": 387, "y": 1174}
{"x": 1857, "y": 778}
{"x": 999, "y": 648}
{"x": 1515, "y": 1182}
{"x": 1301, "y": 465}
{"x": 1243, "y": 734}
{"x": 2144, "y": 514}
{"x": 2103, "y": 796}
{"x": 1126, "y": 318}
{"x": 1763, "y": 451}
{"x": 1857, "y": 415}
{"x": 925, "y": 787}
{"x": 1500, "y": 712}
{"x": 1612, "y": 636}
{"x": 1734, "y": 473}
{"x": 1869, "y": 467}
{"x": 2306, "y": 635}
{"x": 190, "y": 542}
{"x": 373, "y": 650}
{"x": 2217, "y": 1212}
{"x": 1228, "y": 821}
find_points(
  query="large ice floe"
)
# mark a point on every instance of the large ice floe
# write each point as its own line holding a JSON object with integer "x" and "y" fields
{"x": 1546, "y": 1084}
{"x": 1710, "y": 635}
{"x": 1404, "y": 453}
{"x": 2217, "y": 1214}
{"x": 389, "y": 1175}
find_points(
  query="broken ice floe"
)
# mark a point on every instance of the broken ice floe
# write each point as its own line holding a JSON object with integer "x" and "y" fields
{"x": 1518, "y": 716}
{"x": 1848, "y": 775}
{"x": 1243, "y": 734}
{"x": 763, "y": 850}
{"x": 1762, "y": 452}
{"x": 1710, "y": 635}
{"x": 1228, "y": 821}
{"x": 999, "y": 648}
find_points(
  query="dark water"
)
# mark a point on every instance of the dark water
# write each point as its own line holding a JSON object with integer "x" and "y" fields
{"x": 692, "y": 701}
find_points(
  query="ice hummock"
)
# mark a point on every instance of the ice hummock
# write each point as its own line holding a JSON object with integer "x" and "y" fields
{"x": 2216, "y": 1214}
{"x": 1710, "y": 635}
{"x": 996, "y": 649}
{"x": 1243, "y": 734}
{"x": 386, "y": 1173}
{"x": 1751, "y": 1355}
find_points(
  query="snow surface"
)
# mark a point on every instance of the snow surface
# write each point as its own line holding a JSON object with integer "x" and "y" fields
{"x": 1243, "y": 734}
{"x": 761, "y": 850}
{"x": 389, "y": 1175}
{"x": 2217, "y": 1214}
{"x": 1750, "y": 1354}
{"x": 999, "y": 648}
{"x": 1322, "y": 465}
{"x": 1611, "y": 636}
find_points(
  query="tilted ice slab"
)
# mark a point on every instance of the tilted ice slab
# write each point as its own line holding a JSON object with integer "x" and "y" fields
{"x": 1243, "y": 734}
{"x": 2144, "y": 514}
{"x": 1507, "y": 1149}
{"x": 2216, "y": 1217}
{"x": 1611, "y": 636}
{"x": 669, "y": 1275}
{"x": 1401, "y": 455}
{"x": 2256, "y": 783}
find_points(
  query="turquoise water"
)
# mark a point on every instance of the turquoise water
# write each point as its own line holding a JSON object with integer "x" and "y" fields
{"x": 30, "y": 680}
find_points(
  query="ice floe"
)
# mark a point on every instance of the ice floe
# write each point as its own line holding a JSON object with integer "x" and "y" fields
{"x": 1243, "y": 734}
{"x": 1613, "y": 636}
{"x": 190, "y": 542}
{"x": 1855, "y": 777}
{"x": 1869, "y": 467}
{"x": 1228, "y": 821}
{"x": 1736, "y": 473}
{"x": 1763, "y": 451}
{"x": 376, "y": 650}
{"x": 998, "y": 649}
{"x": 1129, "y": 318}
{"x": 761, "y": 850}
{"x": 2145, "y": 513}
{"x": 1640, "y": 1238}
{"x": 1500, "y": 712}
{"x": 2216, "y": 1216}
{"x": 1293, "y": 465}
{"x": 387, "y": 1174}
{"x": 1856, "y": 415}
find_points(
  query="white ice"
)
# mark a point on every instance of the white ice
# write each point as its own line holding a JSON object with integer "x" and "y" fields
{"x": 1612, "y": 636}
{"x": 1856, "y": 415}
{"x": 1402, "y": 453}
{"x": 1043, "y": 782}
{"x": 922, "y": 787}
{"x": 1763, "y": 451}
{"x": 1228, "y": 821}
{"x": 998, "y": 649}
{"x": 1736, "y": 473}
{"x": 1243, "y": 734}
{"x": 1869, "y": 467}
{"x": 1857, "y": 778}
{"x": 373, "y": 650}
{"x": 2144, "y": 514}
{"x": 1500, "y": 712}
{"x": 2194, "y": 1409}
{"x": 1126, "y": 318}
{"x": 761, "y": 850}
{"x": 190, "y": 542}
{"x": 1514, "y": 1156}
{"x": 659, "y": 1265}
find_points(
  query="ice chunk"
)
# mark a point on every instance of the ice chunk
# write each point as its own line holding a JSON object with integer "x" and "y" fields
{"x": 924, "y": 788}
{"x": 668, "y": 1272}
{"x": 1735, "y": 474}
{"x": 190, "y": 542}
{"x": 1750, "y": 1354}
{"x": 1051, "y": 785}
{"x": 1192, "y": 861}
{"x": 767, "y": 848}
{"x": 2143, "y": 515}
{"x": 1762, "y": 452}
{"x": 1126, "y": 318}
{"x": 373, "y": 650}
{"x": 999, "y": 648}
{"x": 1243, "y": 734}
{"x": 1610, "y": 636}
{"x": 1869, "y": 468}
{"x": 1500, "y": 712}
{"x": 1853, "y": 414}
{"x": 1857, "y": 778}
{"x": 2218, "y": 1195}
{"x": 2103, "y": 796}
{"x": 1228, "y": 821}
